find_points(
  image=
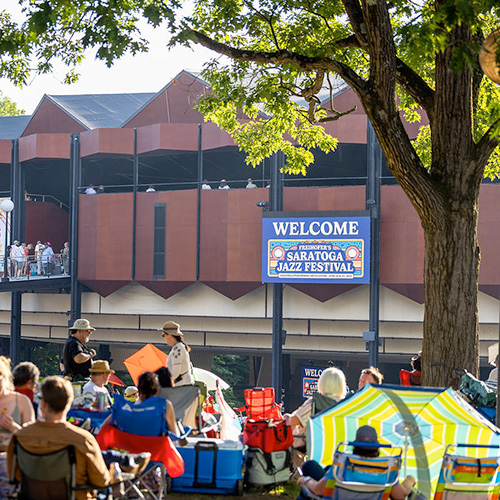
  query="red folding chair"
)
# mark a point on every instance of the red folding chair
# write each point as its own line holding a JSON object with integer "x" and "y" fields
{"x": 409, "y": 378}
{"x": 162, "y": 450}
{"x": 260, "y": 404}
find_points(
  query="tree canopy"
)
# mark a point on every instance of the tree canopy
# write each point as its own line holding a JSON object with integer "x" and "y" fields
{"x": 9, "y": 107}
{"x": 415, "y": 55}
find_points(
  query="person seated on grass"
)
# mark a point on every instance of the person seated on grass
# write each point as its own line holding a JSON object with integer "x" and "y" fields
{"x": 371, "y": 376}
{"x": 25, "y": 376}
{"x": 99, "y": 377}
{"x": 54, "y": 433}
{"x": 315, "y": 476}
{"x": 148, "y": 386}
{"x": 331, "y": 383}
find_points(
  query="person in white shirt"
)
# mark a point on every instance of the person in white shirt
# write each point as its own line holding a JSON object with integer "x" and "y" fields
{"x": 99, "y": 377}
{"x": 206, "y": 185}
{"x": 90, "y": 190}
{"x": 150, "y": 189}
{"x": 178, "y": 361}
{"x": 250, "y": 184}
{"x": 223, "y": 184}
{"x": 38, "y": 254}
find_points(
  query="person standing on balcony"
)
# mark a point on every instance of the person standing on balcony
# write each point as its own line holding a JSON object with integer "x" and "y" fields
{"x": 250, "y": 184}
{"x": 38, "y": 254}
{"x": 223, "y": 184}
{"x": 77, "y": 357}
{"x": 90, "y": 190}
{"x": 205, "y": 185}
{"x": 178, "y": 361}
{"x": 47, "y": 257}
{"x": 16, "y": 258}
{"x": 65, "y": 257}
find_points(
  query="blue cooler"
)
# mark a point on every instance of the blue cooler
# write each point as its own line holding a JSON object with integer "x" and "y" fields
{"x": 211, "y": 466}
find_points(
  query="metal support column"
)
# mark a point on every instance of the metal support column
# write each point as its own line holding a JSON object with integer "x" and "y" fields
{"x": 276, "y": 205}
{"x": 17, "y": 226}
{"x": 134, "y": 208}
{"x": 374, "y": 170}
{"x": 198, "y": 201}
{"x": 75, "y": 172}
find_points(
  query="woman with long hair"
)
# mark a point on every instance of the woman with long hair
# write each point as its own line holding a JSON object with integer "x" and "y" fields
{"x": 15, "y": 410}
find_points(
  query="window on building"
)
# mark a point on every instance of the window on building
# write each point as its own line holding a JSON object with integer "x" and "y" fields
{"x": 160, "y": 240}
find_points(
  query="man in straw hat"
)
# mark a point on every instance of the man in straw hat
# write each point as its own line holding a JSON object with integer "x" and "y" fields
{"x": 77, "y": 357}
{"x": 99, "y": 377}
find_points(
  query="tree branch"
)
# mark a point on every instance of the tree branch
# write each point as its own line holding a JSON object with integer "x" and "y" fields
{"x": 305, "y": 63}
{"x": 356, "y": 20}
{"x": 487, "y": 143}
{"x": 267, "y": 20}
{"x": 416, "y": 86}
{"x": 411, "y": 81}
{"x": 382, "y": 51}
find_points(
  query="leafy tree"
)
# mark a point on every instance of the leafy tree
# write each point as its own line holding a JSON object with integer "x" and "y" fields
{"x": 235, "y": 370}
{"x": 8, "y": 107}
{"x": 424, "y": 52}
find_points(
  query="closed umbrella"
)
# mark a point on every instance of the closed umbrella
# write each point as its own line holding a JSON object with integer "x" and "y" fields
{"x": 422, "y": 421}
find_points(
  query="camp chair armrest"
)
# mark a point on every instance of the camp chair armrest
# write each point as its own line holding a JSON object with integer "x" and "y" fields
{"x": 186, "y": 431}
{"x": 87, "y": 487}
{"x": 458, "y": 486}
{"x": 310, "y": 494}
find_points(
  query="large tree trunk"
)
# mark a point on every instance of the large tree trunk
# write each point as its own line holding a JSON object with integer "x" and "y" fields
{"x": 451, "y": 317}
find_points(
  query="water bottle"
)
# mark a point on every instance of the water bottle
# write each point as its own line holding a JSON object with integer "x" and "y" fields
{"x": 101, "y": 401}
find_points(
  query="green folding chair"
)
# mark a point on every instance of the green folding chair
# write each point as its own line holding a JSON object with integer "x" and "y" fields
{"x": 49, "y": 476}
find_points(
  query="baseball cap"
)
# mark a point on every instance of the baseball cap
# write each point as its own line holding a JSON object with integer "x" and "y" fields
{"x": 367, "y": 434}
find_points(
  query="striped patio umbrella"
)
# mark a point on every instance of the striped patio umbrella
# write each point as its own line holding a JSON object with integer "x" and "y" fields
{"x": 422, "y": 421}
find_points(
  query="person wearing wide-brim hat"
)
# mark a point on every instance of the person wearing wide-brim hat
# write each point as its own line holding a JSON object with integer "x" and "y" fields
{"x": 131, "y": 393}
{"x": 77, "y": 357}
{"x": 178, "y": 361}
{"x": 99, "y": 377}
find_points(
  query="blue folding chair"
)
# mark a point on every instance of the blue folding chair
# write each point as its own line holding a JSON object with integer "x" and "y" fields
{"x": 469, "y": 478}
{"x": 353, "y": 477}
{"x": 141, "y": 423}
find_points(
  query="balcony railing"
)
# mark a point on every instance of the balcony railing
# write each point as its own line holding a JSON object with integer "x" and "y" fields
{"x": 30, "y": 267}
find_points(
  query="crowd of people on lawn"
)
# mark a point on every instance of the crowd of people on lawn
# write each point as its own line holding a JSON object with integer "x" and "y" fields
{"x": 40, "y": 424}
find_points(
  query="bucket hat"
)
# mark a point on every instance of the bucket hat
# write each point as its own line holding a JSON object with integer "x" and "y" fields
{"x": 172, "y": 328}
{"x": 81, "y": 324}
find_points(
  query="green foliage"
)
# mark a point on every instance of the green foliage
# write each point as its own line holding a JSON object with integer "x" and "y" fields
{"x": 235, "y": 371}
{"x": 46, "y": 356}
{"x": 65, "y": 30}
{"x": 9, "y": 107}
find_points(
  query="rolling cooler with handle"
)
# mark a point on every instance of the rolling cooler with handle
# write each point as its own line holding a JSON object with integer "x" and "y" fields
{"x": 211, "y": 466}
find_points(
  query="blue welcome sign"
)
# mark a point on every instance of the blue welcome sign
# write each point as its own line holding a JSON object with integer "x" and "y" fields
{"x": 318, "y": 247}
{"x": 310, "y": 376}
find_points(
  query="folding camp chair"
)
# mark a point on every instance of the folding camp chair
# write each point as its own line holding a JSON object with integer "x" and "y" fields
{"x": 51, "y": 476}
{"x": 409, "y": 378}
{"x": 466, "y": 478}
{"x": 260, "y": 404}
{"x": 138, "y": 428}
{"x": 186, "y": 402}
{"x": 353, "y": 477}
